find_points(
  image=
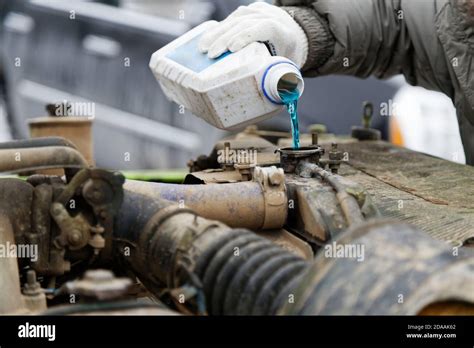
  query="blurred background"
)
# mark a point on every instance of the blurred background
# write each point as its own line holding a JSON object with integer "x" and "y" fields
{"x": 98, "y": 52}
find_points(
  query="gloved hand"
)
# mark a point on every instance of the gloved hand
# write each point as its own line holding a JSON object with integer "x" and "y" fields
{"x": 260, "y": 22}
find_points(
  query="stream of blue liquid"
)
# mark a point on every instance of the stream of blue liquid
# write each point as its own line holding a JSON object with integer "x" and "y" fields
{"x": 290, "y": 99}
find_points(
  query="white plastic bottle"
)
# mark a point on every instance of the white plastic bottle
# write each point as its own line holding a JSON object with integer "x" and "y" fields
{"x": 229, "y": 92}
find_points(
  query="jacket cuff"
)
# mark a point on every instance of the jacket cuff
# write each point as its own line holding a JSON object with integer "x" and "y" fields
{"x": 320, "y": 39}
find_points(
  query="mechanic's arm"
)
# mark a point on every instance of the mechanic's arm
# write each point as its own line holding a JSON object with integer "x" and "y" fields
{"x": 377, "y": 37}
{"x": 351, "y": 37}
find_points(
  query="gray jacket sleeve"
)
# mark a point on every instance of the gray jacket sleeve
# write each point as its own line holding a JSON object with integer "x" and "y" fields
{"x": 430, "y": 42}
{"x": 374, "y": 37}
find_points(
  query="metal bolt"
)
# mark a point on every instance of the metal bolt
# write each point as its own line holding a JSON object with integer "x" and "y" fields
{"x": 57, "y": 209}
{"x": 32, "y": 287}
{"x": 318, "y": 128}
{"x": 257, "y": 174}
{"x": 98, "y": 275}
{"x": 276, "y": 177}
{"x": 97, "y": 194}
{"x": 74, "y": 237}
{"x": 97, "y": 229}
{"x": 31, "y": 277}
{"x": 335, "y": 158}
{"x": 368, "y": 111}
{"x": 97, "y": 242}
{"x": 99, "y": 284}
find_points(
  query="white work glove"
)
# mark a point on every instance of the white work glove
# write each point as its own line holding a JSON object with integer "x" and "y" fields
{"x": 260, "y": 22}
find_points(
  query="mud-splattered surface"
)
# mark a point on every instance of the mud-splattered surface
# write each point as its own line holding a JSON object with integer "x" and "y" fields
{"x": 431, "y": 193}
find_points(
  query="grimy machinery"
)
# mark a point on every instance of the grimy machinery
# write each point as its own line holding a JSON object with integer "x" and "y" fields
{"x": 343, "y": 225}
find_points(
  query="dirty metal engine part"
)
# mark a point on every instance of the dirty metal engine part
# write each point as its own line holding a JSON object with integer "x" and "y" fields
{"x": 235, "y": 272}
{"x": 364, "y": 132}
{"x": 258, "y": 204}
{"x": 202, "y": 266}
{"x": 25, "y": 156}
{"x": 400, "y": 272}
{"x": 12, "y": 300}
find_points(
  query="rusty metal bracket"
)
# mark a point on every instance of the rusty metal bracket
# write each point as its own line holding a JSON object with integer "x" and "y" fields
{"x": 103, "y": 192}
{"x": 272, "y": 182}
{"x": 290, "y": 158}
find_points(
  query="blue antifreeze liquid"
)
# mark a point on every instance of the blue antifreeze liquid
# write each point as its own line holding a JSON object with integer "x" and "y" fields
{"x": 290, "y": 99}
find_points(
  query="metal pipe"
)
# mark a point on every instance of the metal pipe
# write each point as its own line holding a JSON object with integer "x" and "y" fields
{"x": 40, "y": 233}
{"x": 384, "y": 267}
{"x": 349, "y": 205}
{"x": 37, "y": 142}
{"x": 170, "y": 247}
{"x": 240, "y": 273}
{"x": 237, "y": 205}
{"x": 28, "y": 159}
